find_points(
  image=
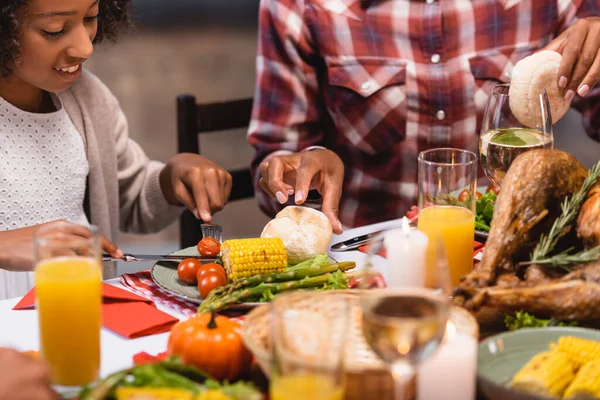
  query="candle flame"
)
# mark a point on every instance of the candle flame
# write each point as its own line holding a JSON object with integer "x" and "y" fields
{"x": 405, "y": 225}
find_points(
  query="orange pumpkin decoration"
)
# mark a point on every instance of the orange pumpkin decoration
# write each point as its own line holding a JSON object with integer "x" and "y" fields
{"x": 211, "y": 343}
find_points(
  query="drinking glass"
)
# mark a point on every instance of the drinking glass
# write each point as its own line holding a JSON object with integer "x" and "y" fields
{"x": 447, "y": 189}
{"x": 308, "y": 346}
{"x": 405, "y": 322}
{"x": 68, "y": 277}
{"x": 516, "y": 119}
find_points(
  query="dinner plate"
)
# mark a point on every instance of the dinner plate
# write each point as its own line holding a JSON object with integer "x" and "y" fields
{"x": 164, "y": 274}
{"x": 501, "y": 356}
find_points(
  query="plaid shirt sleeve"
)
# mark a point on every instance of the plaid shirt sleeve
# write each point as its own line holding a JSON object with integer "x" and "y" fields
{"x": 285, "y": 118}
{"x": 589, "y": 106}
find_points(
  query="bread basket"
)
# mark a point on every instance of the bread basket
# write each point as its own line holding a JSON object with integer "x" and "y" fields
{"x": 366, "y": 376}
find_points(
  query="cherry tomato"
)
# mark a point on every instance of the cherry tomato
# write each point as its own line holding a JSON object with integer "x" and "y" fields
{"x": 209, "y": 282}
{"x": 478, "y": 195}
{"x": 210, "y": 267}
{"x": 493, "y": 188}
{"x": 187, "y": 270}
{"x": 463, "y": 195}
{"x": 209, "y": 247}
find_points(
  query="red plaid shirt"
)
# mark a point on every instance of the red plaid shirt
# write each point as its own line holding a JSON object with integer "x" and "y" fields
{"x": 378, "y": 81}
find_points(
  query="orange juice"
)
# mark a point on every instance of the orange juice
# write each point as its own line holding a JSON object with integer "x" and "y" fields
{"x": 69, "y": 300}
{"x": 456, "y": 227}
{"x": 309, "y": 386}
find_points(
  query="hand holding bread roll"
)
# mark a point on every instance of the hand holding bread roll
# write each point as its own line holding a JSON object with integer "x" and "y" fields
{"x": 540, "y": 71}
{"x": 305, "y": 232}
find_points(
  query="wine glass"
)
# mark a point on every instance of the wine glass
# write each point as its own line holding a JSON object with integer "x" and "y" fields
{"x": 405, "y": 322}
{"x": 516, "y": 119}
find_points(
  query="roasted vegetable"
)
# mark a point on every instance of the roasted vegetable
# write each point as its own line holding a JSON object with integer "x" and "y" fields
{"x": 579, "y": 351}
{"x": 586, "y": 383}
{"x": 546, "y": 374}
{"x": 248, "y": 257}
{"x": 211, "y": 343}
{"x": 221, "y": 299}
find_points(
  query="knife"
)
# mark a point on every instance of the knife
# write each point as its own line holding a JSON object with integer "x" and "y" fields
{"x": 154, "y": 257}
{"x": 356, "y": 242}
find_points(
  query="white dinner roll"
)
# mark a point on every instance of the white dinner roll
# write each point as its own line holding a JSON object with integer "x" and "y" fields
{"x": 305, "y": 232}
{"x": 541, "y": 71}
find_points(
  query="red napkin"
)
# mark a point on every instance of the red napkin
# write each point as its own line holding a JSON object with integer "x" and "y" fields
{"x": 123, "y": 312}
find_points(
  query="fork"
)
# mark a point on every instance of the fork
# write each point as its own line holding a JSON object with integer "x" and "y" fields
{"x": 213, "y": 231}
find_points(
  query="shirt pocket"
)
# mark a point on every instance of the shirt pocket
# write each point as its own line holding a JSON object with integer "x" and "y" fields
{"x": 494, "y": 67}
{"x": 367, "y": 101}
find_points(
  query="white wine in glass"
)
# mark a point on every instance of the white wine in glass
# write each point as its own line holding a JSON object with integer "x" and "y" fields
{"x": 507, "y": 132}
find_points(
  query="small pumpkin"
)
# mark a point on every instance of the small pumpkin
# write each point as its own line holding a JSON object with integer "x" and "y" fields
{"x": 212, "y": 343}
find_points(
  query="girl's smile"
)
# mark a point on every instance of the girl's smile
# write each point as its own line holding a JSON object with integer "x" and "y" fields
{"x": 70, "y": 73}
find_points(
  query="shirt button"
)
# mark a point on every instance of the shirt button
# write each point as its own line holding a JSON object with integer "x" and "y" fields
{"x": 366, "y": 85}
{"x": 435, "y": 58}
{"x": 429, "y": 1}
{"x": 440, "y": 115}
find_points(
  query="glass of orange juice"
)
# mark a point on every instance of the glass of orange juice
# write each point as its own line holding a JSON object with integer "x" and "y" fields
{"x": 68, "y": 277}
{"x": 307, "y": 346}
{"x": 447, "y": 194}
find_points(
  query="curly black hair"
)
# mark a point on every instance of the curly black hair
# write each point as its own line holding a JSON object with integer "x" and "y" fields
{"x": 113, "y": 15}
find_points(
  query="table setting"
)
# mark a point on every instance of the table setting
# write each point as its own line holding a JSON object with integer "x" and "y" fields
{"x": 475, "y": 293}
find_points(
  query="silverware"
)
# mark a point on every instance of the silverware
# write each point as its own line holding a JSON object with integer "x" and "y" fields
{"x": 154, "y": 257}
{"x": 213, "y": 231}
{"x": 356, "y": 242}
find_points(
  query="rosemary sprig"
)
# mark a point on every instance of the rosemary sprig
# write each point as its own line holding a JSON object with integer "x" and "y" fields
{"x": 570, "y": 209}
{"x": 565, "y": 259}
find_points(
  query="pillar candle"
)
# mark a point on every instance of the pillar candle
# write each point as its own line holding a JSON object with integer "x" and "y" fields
{"x": 406, "y": 249}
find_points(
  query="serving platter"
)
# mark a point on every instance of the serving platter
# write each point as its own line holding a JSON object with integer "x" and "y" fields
{"x": 501, "y": 356}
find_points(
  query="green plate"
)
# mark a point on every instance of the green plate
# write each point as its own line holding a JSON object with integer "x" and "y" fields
{"x": 502, "y": 356}
{"x": 164, "y": 274}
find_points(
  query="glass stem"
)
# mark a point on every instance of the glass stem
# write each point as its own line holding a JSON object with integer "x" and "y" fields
{"x": 402, "y": 374}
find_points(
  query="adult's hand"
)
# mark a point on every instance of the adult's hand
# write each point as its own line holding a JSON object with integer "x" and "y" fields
{"x": 297, "y": 174}
{"x": 579, "y": 45}
{"x": 22, "y": 377}
{"x": 16, "y": 246}
{"x": 197, "y": 183}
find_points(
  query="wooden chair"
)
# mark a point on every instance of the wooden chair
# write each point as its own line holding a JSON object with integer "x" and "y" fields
{"x": 196, "y": 119}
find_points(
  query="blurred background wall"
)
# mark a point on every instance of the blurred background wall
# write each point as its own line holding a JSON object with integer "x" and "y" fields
{"x": 207, "y": 48}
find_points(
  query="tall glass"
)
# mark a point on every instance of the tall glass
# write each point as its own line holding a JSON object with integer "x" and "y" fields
{"x": 405, "y": 322}
{"x": 68, "y": 276}
{"x": 308, "y": 347}
{"x": 447, "y": 189}
{"x": 516, "y": 119}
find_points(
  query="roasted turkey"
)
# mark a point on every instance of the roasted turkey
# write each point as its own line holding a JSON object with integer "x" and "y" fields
{"x": 535, "y": 185}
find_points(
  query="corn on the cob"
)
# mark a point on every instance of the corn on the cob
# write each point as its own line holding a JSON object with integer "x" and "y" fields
{"x": 213, "y": 394}
{"x": 248, "y": 257}
{"x": 547, "y": 373}
{"x": 586, "y": 383}
{"x": 138, "y": 393}
{"x": 580, "y": 351}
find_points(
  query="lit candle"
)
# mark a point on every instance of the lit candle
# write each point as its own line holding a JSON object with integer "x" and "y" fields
{"x": 406, "y": 249}
{"x": 451, "y": 373}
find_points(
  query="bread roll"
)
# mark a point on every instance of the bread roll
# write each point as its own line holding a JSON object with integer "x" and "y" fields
{"x": 541, "y": 71}
{"x": 305, "y": 232}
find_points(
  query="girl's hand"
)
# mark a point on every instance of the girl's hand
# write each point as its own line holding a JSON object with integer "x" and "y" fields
{"x": 16, "y": 246}
{"x": 321, "y": 169}
{"x": 580, "y": 47}
{"x": 197, "y": 183}
{"x": 23, "y": 377}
